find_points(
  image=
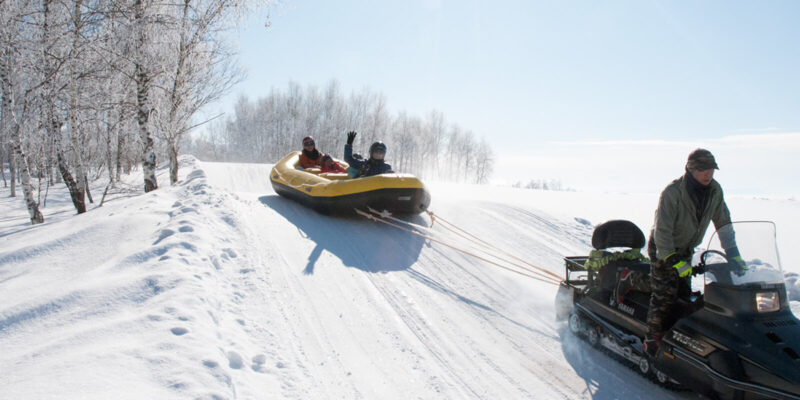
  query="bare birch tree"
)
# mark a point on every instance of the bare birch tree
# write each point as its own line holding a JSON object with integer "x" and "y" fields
{"x": 10, "y": 122}
{"x": 200, "y": 69}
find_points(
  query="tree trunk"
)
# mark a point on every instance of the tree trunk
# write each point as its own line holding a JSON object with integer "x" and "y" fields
{"x": 2, "y": 162}
{"x": 7, "y": 123}
{"x": 120, "y": 146}
{"x": 149, "y": 166}
{"x": 148, "y": 153}
{"x": 27, "y": 187}
{"x": 142, "y": 87}
{"x": 16, "y": 147}
{"x": 173, "y": 163}
{"x": 109, "y": 157}
{"x": 75, "y": 129}
{"x": 12, "y": 170}
{"x": 75, "y": 191}
{"x": 80, "y": 184}
{"x": 88, "y": 192}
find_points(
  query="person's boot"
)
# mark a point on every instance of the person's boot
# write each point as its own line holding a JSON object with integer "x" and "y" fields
{"x": 623, "y": 286}
{"x": 650, "y": 347}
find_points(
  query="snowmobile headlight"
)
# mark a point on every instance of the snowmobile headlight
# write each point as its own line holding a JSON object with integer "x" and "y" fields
{"x": 768, "y": 301}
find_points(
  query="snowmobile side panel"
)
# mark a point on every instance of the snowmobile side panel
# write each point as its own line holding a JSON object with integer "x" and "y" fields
{"x": 616, "y": 315}
{"x": 719, "y": 379}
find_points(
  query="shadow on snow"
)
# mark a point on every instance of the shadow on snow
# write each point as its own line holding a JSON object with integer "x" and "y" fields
{"x": 371, "y": 247}
{"x": 606, "y": 377}
{"x": 357, "y": 242}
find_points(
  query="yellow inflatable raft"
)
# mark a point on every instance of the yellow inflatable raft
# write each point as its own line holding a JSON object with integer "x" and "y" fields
{"x": 335, "y": 193}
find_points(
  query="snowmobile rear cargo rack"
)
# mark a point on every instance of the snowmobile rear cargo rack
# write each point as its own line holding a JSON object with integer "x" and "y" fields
{"x": 576, "y": 273}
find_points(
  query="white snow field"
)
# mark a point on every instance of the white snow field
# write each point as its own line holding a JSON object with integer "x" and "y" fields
{"x": 217, "y": 288}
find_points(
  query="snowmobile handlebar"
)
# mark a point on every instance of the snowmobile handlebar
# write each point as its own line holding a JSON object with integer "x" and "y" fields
{"x": 730, "y": 265}
{"x": 699, "y": 270}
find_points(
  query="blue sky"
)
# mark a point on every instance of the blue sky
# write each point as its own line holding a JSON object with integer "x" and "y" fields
{"x": 532, "y": 75}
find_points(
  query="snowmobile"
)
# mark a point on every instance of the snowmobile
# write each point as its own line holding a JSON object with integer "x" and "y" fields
{"x": 735, "y": 339}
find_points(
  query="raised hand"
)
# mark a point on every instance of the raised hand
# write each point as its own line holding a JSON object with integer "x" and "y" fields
{"x": 351, "y": 136}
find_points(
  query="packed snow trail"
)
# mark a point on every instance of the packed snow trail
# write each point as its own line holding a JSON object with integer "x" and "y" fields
{"x": 216, "y": 288}
{"x": 376, "y": 311}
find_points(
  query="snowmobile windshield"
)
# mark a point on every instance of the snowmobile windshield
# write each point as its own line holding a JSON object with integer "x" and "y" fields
{"x": 743, "y": 253}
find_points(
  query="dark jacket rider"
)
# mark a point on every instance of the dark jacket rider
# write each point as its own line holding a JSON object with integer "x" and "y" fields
{"x": 375, "y": 165}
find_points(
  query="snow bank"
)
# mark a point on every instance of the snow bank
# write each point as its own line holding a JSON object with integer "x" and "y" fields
{"x": 137, "y": 299}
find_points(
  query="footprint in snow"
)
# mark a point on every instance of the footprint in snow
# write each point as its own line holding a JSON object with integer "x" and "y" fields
{"x": 189, "y": 246}
{"x": 235, "y": 360}
{"x": 258, "y": 362}
{"x": 185, "y": 229}
{"x": 210, "y": 363}
{"x": 164, "y": 234}
{"x": 229, "y": 221}
{"x": 230, "y": 253}
{"x": 179, "y": 331}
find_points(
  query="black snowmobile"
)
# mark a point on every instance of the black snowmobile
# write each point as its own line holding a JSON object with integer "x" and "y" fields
{"x": 736, "y": 339}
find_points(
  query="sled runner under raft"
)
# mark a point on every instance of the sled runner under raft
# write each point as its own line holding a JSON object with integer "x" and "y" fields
{"x": 335, "y": 193}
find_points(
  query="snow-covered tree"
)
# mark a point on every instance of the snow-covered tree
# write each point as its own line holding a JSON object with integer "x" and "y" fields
{"x": 13, "y": 30}
{"x": 93, "y": 85}
{"x": 199, "y": 70}
{"x": 266, "y": 129}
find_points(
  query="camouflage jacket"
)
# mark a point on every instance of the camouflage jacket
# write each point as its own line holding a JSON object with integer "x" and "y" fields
{"x": 676, "y": 228}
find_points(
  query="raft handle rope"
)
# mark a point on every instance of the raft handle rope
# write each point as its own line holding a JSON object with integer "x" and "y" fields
{"x": 538, "y": 273}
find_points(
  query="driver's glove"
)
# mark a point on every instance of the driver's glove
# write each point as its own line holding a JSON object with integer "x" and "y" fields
{"x": 683, "y": 268}
{"x": 739, "y": 266}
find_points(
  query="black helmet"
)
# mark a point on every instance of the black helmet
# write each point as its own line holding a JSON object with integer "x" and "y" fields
{"x": 377, "y": 147}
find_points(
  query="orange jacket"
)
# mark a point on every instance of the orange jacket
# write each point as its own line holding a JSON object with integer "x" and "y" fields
{"x": 307, "y": 162}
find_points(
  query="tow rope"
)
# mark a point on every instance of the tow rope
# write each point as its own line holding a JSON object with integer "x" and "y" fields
{"x": 521, "y": 267}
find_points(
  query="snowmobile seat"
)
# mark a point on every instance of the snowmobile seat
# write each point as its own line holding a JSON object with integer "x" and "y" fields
{"x": 617, "y": 233}
{"x": 617, "y": 245}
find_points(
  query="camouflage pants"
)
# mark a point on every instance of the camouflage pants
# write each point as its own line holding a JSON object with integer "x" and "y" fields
{"x": 640, "y": 282}
{"x": 664, "y": 283}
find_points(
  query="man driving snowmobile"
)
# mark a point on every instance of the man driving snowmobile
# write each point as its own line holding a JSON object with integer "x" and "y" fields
{"x": 685, "y": 209}
{"x": 359, "y": 167}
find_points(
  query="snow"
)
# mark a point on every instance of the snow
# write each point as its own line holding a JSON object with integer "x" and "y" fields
{"x": 218, "y": 288}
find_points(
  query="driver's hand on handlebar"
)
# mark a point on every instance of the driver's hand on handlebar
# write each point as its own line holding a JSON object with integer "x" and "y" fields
{"x": 681, "y": 267}
{"x": 739, "y": 267}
